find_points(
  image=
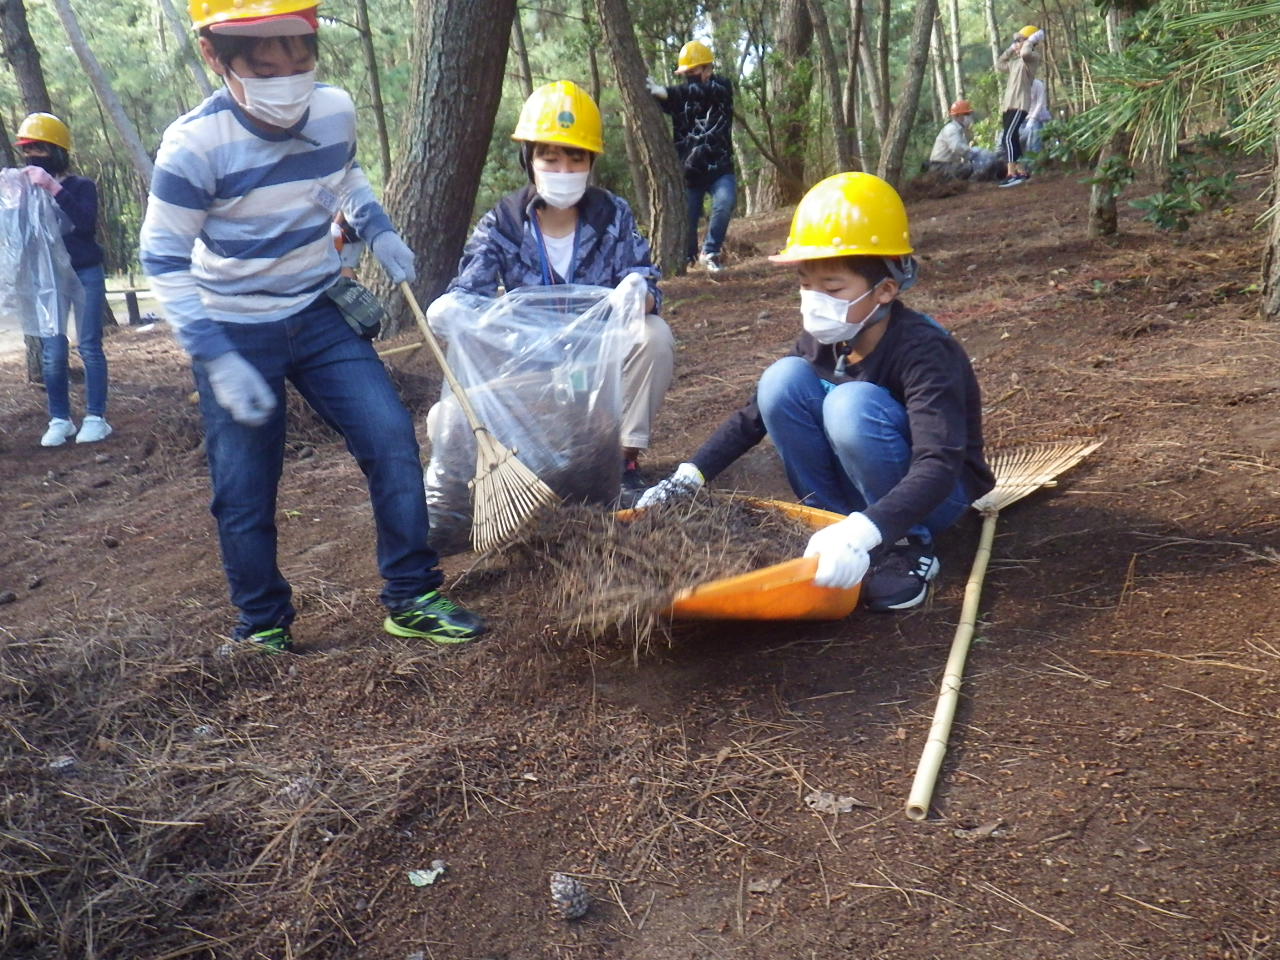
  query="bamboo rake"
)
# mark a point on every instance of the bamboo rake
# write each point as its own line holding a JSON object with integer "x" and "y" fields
{"x": 504, "y": 492}
{"x": 1018, "y": 473}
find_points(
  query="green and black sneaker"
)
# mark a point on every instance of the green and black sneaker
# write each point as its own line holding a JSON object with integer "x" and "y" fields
{"x": 433, "y": 616}
{"x": 270, "y": 640}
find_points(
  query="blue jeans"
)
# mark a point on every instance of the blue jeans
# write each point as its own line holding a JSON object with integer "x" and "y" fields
{"x": 54, "y": 352}
{"x": 724, "y": 196}
{"x": 843, "y": 447}
{"x": 343, "y": 380}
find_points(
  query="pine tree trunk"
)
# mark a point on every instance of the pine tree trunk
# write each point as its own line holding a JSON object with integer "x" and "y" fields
{"x": 957, "y": 67}
{"x": 937, "y": 48}
{"x": 840, "y": 133}
{"x": 375, "y": 85}
{"x": 1103, "y": 218}
{"x": 667, "y": 218}
{"x": 453, "y": 98}
{"x": 875, "y": 93}
{"x": 993, "y": 29}
{"x": 784, "y": 182}
{"x": 106, "y": 95}
{"x": 904, "y": 114}
{"x": 182, "y": 36}
{"x": 1270, "y": 305}
{"x": 522, "y": 56}
{"x": 21, "y": 53}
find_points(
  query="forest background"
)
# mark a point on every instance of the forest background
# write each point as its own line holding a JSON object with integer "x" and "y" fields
{"x": 822, "y": 86}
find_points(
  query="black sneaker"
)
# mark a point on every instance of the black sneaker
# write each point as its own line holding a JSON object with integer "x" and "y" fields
{"x": 633, "y": 485}
{"x": 270, "y": 640}
{"x": 435, "y": 617}
{"x": 900, "y": 578}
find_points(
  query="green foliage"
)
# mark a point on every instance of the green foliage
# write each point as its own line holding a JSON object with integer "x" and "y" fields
{"x": 1191, "y": 189}
{"x": 1189, "y": 61}
{"x": 1168, "y": 211}
{"x": 1113, "y": 175}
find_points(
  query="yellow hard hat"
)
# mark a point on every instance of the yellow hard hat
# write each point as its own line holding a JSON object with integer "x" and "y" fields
{"x": 1028, "y": 31}
{"x": 564, "y": 113}
{"x": 848, "y": 215}
{"x": 257, "y": 17}
{"x": 693, "y": 54}
{"x": 46, "y": 128}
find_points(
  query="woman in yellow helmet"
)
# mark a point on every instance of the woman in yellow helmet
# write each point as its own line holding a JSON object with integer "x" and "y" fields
{"x": 1020, "y": 61}
{"x": 560, "y": 229}
{"x": 877, "y": 412}
{"x": 45, "y": 142}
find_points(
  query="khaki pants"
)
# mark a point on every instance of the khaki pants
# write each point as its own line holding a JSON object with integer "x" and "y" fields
{"x": 646, "y": 375}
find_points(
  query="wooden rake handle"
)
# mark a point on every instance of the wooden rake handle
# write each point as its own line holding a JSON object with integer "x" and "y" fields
{"x": 935, "y": 748}
{"x": 434, "y": 345}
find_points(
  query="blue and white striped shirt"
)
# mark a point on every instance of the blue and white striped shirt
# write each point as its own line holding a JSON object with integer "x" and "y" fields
{"x": 237, "y": 224}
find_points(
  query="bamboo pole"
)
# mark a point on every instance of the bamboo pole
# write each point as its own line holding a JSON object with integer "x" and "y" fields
{"x": 1018, "y": 473}
{"x": 935, "y": 748}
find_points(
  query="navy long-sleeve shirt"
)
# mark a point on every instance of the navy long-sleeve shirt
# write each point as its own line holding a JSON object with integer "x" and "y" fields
{"x": 928, "y": 372}
{"x": 78, "y": 199}
{"x": 702, "y": 122}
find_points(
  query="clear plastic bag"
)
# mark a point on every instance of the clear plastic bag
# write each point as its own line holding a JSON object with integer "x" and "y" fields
{"x": 542, "y": 366}
{"x": 38, "y": 286}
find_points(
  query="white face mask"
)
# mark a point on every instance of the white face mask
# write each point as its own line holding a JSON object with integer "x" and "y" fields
{"x": 825, "y": 316}
{"x": 561, "y": 190}
{"x": 279, "y": 101}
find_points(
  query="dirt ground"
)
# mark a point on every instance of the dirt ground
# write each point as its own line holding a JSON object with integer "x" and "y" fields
{"x": 1111, "y": 786}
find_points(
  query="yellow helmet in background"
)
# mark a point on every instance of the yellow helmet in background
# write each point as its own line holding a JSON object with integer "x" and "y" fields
{"x": 564, "y": 113}
{"x": 848, "y": 215}
{"x": 46, "y": 128}
{"x": 213, "y": 13}
{"x": 693, "y": 54}
{"x": 1028, "y": 31}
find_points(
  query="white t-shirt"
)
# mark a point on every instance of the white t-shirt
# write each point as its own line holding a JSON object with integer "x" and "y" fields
{"x": 559, "y": 253}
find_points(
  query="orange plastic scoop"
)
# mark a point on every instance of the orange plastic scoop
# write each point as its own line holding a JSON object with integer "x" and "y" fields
{"x": 783, "y": 591}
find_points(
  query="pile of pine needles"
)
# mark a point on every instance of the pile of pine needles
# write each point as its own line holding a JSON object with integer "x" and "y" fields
{"x": 606, "y": 577}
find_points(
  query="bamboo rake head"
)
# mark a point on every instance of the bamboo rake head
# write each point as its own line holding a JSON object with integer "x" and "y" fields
{"x": 1024, "y": 470}
{"x": 505, "y": 493}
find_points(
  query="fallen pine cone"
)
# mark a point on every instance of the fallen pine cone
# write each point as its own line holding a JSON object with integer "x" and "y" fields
{"x": 569, "y": 897}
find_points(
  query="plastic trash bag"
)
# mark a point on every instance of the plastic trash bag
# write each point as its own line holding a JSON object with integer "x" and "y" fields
{"x": 37, "y": 284}
{"x": 542, "y": 366}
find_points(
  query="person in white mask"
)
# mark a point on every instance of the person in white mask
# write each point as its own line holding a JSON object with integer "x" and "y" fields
{"x": 237, "y": 246}
{"x": 562, "y": 229}
{"x": 876, "y": 414}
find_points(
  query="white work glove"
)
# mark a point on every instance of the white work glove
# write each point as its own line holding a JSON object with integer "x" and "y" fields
{"x": 843, "y": 551}
{"x": 685, "y": 482}
{"x": 628, "y": 297}
{"x": 1034, "y": 39}
{"x": 395, "y": 257}
{"x": 240, "y": 389}
{"x": 655, "y": 88}
{"x": 42, "y": 178}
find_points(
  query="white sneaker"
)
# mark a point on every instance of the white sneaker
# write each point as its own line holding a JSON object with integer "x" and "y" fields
{"x": 93, "y": 429}
{"x": 59, "y": 432}
{"x": 711, "y": 262}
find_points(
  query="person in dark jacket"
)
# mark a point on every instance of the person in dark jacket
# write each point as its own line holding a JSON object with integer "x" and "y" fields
{"x": 877, "y": 414}
{"x": 701, "y": 111}
{"x": 560, "y": 229}
{"x": 45, "y": 142}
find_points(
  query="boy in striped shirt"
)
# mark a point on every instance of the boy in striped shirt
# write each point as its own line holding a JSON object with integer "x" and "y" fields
{"x": 236, "y": 243}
